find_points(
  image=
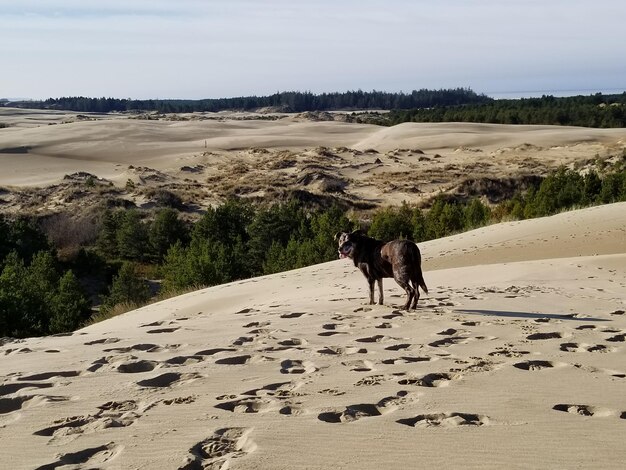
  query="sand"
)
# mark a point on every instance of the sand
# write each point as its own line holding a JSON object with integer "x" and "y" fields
{"x": 209, "y": 157}
{"x": 515, "y": 359}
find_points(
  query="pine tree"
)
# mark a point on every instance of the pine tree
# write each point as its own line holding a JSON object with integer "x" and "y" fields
{"x": 69, "y": 307}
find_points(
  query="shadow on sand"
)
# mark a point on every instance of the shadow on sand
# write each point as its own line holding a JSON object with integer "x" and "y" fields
{"x": 551, "y": 316}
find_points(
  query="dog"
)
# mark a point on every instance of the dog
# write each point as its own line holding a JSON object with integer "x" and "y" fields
{"x": 400, "y": 259}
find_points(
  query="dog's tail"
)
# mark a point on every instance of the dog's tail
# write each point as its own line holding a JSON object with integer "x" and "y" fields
{"x": 422, "y": 283}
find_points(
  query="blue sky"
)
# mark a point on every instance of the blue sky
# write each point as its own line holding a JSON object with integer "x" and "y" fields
{"x": 217, "y": 48}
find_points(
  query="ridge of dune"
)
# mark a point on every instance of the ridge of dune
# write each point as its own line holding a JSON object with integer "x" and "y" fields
{"x": 444, "y": 135}
{"x": 514, "y": 364}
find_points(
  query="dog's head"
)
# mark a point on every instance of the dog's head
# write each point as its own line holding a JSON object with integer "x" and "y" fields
{"x": 347, "y": 242}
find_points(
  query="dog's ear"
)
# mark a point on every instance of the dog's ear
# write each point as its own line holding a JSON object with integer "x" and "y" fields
{"x": 338, "y": 236}
{"x": 359, "y": 232}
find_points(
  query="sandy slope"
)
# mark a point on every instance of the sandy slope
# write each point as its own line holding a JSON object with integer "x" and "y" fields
{"x": 515, "y": 364}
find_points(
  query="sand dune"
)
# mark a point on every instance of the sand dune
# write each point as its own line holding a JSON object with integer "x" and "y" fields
{"x": 516, "y": 359}
{"x": 105, "y": 145}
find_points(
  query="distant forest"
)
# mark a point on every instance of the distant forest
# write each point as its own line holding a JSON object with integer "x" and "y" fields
{"x": 446, "y": 105}
{"x": 588, "y": 111}
{"x": 289, "y": 101}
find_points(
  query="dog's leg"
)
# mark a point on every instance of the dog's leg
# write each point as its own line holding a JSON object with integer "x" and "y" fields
{"x": 380, "y": 292}
{"x": 416, "y": 296}
{"x": 405, "y": 284}
{"x": 371, "y": 283}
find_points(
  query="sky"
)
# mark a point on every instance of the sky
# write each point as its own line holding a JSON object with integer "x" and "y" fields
{"x": 192, "y": 49}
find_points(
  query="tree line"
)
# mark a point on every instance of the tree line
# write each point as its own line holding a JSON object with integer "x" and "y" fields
{"x": 43, "y": 294}
{"x": 287, "y": 101}
{"x": 588, "y": 111}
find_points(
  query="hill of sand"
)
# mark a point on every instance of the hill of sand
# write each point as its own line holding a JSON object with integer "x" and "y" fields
{"x": 515, "y": 359}
{"x": 208, "y": 157}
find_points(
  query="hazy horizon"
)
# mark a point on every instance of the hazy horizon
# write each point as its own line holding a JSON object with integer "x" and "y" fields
{"x": 193, "y": 49}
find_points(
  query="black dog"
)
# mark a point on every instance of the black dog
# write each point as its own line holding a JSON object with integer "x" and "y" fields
{"x": 400, "y": 259}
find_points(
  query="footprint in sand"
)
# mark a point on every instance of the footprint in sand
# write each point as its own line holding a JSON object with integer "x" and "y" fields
{"x": 437, "y": 379}
{"x": 135, "y": 367}
{"x": 359, "y": 366}
{"x": 398, "y": 347}
{"x": 586, "y": 327}
{"x": 278, "y": 389}
{"x": 508, "y": 353}
{"x": 249, "y": 405}
{"x": 448, "y": 332}
{"x": 180, "y": 400}
{"x": 550, "y": 335}
{"x": 211, "y": 352}
{"x": 293, "y": 342}
{"x": 449, "y": 341}
{"x": 582, "y": 410}
{"x": 218, "y": 450}
{"x": 11, "y": 404}
{"x": 50, "y": 375}
{"x": 290, "y": 366}
{"x": 146, "y": 347}
{"x": 617, "y": 338}
{"x": 169, "y": 379}
{"x": 392, "y": 315}
{"x": 534, "y": 365}
{"x": 365, "y": 410}
{"x": 164, "y": 330}
{"x": 243, "y": 340}
{"x": 332, "y": 391}
{"x": 406, "y": 359}
{"x": 445, "y": 420}
{"x": 374, "y": 339}
{"x": 575, "y": 347}
{"x": 235, "y": 360}
{"x": 184, "y": 360}
{"x": 256, "y": 324}
{"x": 246, "y": 310}
{"x": 92, "y": 457}
{"x": 293, "y": 315}
{"x": 332, "y": 333}
{"x": 102, "y": 341}
{"x": 10, "y": 388}
{"x": 109, "y": 415}
{"x": 341, "y": 351}
{"x": 241, "y": 360}
{"x": 375, "y": 379}
{"x": 385, "y": 325}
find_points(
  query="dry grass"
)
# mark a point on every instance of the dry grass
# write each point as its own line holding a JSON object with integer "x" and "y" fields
{"x": 125, "y": 307}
